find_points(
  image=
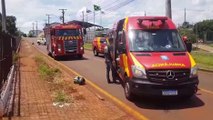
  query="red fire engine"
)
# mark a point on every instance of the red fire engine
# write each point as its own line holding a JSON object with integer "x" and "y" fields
{"x": 64, "y": 40}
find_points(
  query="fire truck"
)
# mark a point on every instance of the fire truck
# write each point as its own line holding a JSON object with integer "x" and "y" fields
{"x": 64, "y": 40}
{"x": 151, "y": 59}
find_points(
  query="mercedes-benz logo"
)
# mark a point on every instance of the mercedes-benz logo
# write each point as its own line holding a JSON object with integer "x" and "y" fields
{"x": 170, "y": 74}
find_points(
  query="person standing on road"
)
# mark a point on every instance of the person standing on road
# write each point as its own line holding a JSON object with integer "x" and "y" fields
{"x": 108, "y": 61}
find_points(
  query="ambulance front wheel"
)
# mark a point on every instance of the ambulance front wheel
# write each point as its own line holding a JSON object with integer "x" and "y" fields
{"x": 128, "y": 91}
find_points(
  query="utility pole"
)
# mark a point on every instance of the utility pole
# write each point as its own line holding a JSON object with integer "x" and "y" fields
{"x": 63, "y": 12}
{"x": 83, "y": 16}
{"x": 94, "y": 17}
{"x": 101, "y": 12}
{"x": 48, "y": 18}
{"x": 36, "y": 28}
{"x": 33, "y": 28}
{"x": 184, "y": 14}
{"x": 168, "y": 9}
{"x": 4, "y": 28}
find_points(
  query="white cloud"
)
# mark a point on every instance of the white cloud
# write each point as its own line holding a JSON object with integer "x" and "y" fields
{"x": 29, "y": 11}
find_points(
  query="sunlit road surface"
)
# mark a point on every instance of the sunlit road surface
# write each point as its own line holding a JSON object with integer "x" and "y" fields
{"x": 199, "y": 107}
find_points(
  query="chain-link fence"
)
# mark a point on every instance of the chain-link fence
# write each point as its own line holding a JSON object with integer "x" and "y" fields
{"x": 8, "y": 44}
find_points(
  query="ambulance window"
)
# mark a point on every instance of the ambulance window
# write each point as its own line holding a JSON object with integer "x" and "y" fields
{"x": 103, "y": 40}
{"x": 155, "y": 40}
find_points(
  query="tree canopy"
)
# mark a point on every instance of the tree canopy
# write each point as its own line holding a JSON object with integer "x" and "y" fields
{"x": 201, "y": 28}
{"x": 10, "y": 24}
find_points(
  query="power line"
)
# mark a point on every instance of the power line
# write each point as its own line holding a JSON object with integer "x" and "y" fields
{"x": 112, "y": 7}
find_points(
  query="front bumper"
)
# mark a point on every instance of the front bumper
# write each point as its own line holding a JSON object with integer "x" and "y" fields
{"x": 147, "y": 88}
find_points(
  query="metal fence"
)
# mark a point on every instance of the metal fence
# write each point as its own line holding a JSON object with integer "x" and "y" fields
{"x": 8, "y": 44}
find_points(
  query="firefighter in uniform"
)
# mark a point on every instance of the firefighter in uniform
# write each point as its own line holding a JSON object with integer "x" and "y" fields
{"x": 108, "y": 61}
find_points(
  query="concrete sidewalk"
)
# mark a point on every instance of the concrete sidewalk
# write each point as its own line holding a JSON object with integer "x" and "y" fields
{"x": 204, "y": 47}
{"x": 35, "y": 102}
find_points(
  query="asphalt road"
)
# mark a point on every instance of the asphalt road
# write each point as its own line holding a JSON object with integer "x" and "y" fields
{"x": 199, "y": 107}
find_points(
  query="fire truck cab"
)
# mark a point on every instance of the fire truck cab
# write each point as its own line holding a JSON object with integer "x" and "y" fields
{"x": 64, "y": 40}
{"x": 151, "y": 58}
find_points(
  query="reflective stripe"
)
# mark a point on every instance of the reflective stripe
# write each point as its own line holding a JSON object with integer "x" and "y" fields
{"x": 99, "y": 42}
{"x": 191, "y": 60}
{"x": 136, "y": 61}
{"x": 125, "y": 62}
{"x": 125, "y": 24}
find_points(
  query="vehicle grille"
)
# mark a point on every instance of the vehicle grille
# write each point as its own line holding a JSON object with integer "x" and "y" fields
{"x": 71, "y": 46}
{"x": 161, "y": 76}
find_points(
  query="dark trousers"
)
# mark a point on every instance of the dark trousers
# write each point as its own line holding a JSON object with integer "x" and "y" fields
{"x": 108, "y": 68}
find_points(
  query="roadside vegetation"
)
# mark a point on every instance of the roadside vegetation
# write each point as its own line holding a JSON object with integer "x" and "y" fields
{"x": 211, "y": 44}
{"x": 15, "y": 57}
{"x": 203, "y": 59}
{"x": 88, "y": 46}
{"x": 62, "y": 91}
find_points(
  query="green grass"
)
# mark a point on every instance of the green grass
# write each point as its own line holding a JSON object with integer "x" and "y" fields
{"x": 15, "y": 57}
{"x": 61, "y": 97}
{"x": 88, "y": 46}
{"x": 203, "y": 59}
{"x": 45, "y": 71}
{"x": 211, "y": 44}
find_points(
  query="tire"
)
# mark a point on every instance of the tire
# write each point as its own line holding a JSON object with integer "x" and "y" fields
{"x": 80, "y": 56}
{"x": 54, "y": 56}
{"x": 95, "y": 52}
{"x": 128, "y": 91}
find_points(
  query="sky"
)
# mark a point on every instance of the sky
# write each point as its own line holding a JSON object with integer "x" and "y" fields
{"x": 28, "y": 12}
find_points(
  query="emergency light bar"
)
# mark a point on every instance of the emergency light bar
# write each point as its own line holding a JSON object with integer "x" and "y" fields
{"x": 151, "y": 19}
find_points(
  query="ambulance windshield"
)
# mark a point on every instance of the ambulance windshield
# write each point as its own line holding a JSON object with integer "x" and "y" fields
{"x": 155, "y": 40}
{"x": 67, "y": 32}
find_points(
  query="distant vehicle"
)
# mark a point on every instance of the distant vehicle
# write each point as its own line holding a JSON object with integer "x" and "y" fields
{"x": 64, "y": 40}
{"x": 151, "y": 58}
{"x": 98, "y": 45}
{"x": 44, "y": 41}
{"x": 41, "y": 41}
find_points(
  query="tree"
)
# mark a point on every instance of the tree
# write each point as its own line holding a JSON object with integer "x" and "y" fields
{"x": 202, "y": 28}
{"x": 11, "y": 25}
{"x": 189, "y": 33}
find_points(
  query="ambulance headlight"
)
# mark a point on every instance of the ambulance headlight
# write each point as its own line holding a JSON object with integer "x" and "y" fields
{"x": 194, "y": 71}
{"x": 138, "y": 72}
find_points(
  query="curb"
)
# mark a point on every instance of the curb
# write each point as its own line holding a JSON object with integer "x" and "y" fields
{"x": 205, "y": 70}
{"x": 118, "y": 102}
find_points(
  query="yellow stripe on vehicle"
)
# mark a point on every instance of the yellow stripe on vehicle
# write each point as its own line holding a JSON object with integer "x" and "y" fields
{"x": 125, "y": 62}
{"x": 99, "y": 42}
{"x": 125, "y": 24}
{"x": 136, "y": 61}
{"x": 191, "y": 60}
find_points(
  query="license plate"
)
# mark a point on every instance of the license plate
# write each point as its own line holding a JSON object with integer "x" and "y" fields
{"x": 169, "y": 92}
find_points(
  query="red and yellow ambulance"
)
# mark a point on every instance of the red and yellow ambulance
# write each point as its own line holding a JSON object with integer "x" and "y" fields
{"x": 98, "y": 45}
{"x": 151, "y": 58}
